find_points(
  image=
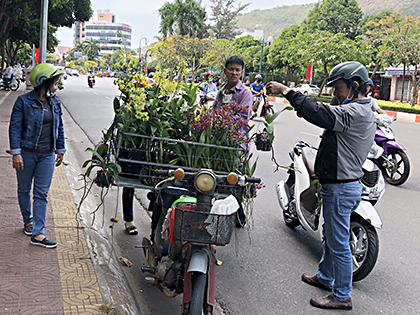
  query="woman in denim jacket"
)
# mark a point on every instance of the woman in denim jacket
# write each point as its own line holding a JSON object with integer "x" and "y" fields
{"x": 36, "y": 135}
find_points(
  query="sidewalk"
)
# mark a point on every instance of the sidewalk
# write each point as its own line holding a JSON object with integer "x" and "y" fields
{"x": 35, "y": 280}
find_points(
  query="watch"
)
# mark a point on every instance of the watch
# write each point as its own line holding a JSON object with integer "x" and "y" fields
{"x": 286, "y": 91}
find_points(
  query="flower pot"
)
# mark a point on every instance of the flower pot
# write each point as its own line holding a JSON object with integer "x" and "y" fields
{"x": 103, "y": 180}
{"x": 262, "y": 145}
{"x": 130, "y": 169}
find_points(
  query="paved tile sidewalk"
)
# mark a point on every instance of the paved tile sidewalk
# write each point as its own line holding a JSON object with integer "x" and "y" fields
{"x": 35, "y": 280}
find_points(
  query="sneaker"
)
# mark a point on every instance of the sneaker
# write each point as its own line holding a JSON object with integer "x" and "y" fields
{"x": 44, "y": 243}
{"x": 28, "y": 229}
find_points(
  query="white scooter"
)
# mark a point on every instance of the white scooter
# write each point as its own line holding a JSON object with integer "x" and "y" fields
{"x": 299, "y": 202}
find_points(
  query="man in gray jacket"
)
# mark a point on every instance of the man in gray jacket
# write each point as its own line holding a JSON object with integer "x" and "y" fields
{"x": 346, "y": 141}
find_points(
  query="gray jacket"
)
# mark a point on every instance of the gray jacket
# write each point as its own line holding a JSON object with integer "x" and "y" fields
{"x": 347, "y": 139}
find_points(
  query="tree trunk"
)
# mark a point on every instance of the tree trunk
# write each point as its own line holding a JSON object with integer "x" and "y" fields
{"x": 402, "y": 88}
{"x": 416, "y": 84}
{"x": 326, "y": 74}
{"x": 375, "y": 69}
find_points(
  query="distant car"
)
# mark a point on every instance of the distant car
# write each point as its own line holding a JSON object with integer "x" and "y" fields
{"x": 106, "y": 74}
{"x": 306, "y": 88}
{"x": 75, "y": 72}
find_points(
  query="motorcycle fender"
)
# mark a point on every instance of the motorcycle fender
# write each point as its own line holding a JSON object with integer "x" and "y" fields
{"x": 392, "y": 144}
{"x": 199, "y": 261}
{"x": 368, "y": 212}
{"x": 282, "y": 195}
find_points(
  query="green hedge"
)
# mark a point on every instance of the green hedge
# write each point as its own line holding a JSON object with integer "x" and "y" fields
{"x": 399, "y": 107}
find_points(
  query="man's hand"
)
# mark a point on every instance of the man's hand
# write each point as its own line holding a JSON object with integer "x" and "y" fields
{"x": 274, "y": 87}
{"x": 59, "y": 159}
{"x": 18, "y": 162}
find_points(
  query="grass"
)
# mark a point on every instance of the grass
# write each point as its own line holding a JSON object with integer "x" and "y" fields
{"x": 109, "y": 309}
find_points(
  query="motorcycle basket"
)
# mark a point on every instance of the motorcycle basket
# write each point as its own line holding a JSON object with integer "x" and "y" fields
{"x": 202, "y": 227}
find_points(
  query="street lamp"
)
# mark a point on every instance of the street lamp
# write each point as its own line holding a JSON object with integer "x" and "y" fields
{"x": 140, "y": 56}
{"x": 263, "y": 43}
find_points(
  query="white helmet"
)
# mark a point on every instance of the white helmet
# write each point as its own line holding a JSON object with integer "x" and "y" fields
{"x": 258, "y": 76}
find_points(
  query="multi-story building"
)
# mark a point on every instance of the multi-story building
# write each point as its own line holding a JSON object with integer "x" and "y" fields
{"x": 111, "y": 36}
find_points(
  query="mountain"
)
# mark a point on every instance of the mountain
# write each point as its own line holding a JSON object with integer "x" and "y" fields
{"x": 273, "y": 21}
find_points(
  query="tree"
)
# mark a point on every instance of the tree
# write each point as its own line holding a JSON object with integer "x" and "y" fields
{"x": 20, "y": 20}
{"x": 373, "y": 42}
{"x": 91, "y": 48}
{"x": 324, "y": 49}
{"x": 90, "y": 65}
{"x": 335, "y": 16}
{"x": 219, "y": 50}
{"x": 284, "y": 50}
{"x": 224, "y": 16}
{"x": 400, "y": 38}
{"x": 183, "y": 17}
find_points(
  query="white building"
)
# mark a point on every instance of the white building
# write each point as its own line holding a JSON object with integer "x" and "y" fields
{"x": 111, "y": 36}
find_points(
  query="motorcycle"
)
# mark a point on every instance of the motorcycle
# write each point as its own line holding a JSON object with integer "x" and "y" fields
{"x": 91, "y": 82}
{"x": 13, "y": 84}
{"x": 180, "y": 254}
{"x": 299, "y": 201}
{"x": 64, "y": 76}
{"x": 394, "y": 162}
{"x": 264, "y": 108}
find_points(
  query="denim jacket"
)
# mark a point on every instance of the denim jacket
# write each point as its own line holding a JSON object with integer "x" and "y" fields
{"x": 26, "y": 123}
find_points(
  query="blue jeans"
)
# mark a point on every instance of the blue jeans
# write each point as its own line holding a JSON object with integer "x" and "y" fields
{"x": 336, "y": 266}
{"x": 39, "y": 168}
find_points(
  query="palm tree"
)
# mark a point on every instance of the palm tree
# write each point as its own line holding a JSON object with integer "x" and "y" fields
{"x": 91, "y": 48}
{"x": 183, "y": 17}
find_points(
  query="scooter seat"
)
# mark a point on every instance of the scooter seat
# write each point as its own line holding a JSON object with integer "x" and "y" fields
{"x": 308, "y": 156}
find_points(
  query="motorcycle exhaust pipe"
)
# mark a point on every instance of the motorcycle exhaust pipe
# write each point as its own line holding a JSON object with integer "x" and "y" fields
{"x": 282, "y": 195}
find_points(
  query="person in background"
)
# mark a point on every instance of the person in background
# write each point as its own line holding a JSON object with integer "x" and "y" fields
{"x": 7, "y": 76}
{"x": 207, "y": 87}
{"x": 256, "y": 88}
{"x": 36, "y": 138}
{"x": 234, "y": 90}
{"x": 373, "y": 102}
{"x": 349, "y": 131}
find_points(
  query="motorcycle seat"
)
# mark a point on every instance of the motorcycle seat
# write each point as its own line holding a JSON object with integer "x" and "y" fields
{"x": 308, "y": 156}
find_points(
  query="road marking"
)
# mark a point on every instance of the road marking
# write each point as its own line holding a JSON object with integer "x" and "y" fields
{"x": 4, "y": 97}
{"x": 309, "y": 134}
{"x": 108, "y": 98}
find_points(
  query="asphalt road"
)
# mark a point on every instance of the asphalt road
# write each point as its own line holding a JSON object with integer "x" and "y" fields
{"x": 262, "y": 266}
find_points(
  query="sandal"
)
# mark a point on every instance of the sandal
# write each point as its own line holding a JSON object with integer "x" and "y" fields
{"x": 131, "y": 228}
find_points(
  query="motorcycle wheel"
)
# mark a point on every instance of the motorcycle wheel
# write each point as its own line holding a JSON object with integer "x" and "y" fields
{"x": 198, "y": 291}
{"x": 364, "y": 245}
{"x": 397, "y": 173}
{"x": 14, "y": 86}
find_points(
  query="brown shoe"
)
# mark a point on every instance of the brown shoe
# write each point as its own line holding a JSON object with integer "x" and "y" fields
{"x": 313, "y": 280}
{"x": 328, "y": 302}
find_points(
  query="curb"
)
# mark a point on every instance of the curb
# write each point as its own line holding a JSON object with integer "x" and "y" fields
{"x": 400, "y": 116}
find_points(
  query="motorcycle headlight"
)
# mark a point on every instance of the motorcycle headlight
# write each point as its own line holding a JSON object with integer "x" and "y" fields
{"x": 205, "y": 181}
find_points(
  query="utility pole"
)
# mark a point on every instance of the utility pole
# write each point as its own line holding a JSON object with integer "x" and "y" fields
{"x": 43, "y": 32}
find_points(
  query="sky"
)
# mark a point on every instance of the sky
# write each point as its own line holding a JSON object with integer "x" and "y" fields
{"x": 143, "y": 16}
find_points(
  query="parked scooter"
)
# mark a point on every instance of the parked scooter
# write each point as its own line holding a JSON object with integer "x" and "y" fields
{"x": 264, "y": 107}
{"x": 180, "y": 254}
{"x": 299, "y": 202}
{"x": 394, "y": 162}
{"x": 12, "y": 85}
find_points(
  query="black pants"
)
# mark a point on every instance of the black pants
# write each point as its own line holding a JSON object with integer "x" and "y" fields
{"x": 127, "y": 201}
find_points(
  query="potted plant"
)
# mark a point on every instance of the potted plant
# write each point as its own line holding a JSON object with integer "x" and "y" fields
{"x": 264, "y": 138}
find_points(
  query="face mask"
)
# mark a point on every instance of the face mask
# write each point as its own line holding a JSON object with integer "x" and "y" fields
{"x": 49, "y": 94}
{"x": 348, "y": 99}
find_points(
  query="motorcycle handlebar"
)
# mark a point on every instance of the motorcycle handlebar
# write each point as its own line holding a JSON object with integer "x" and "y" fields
{"x": 253, "y": 180}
